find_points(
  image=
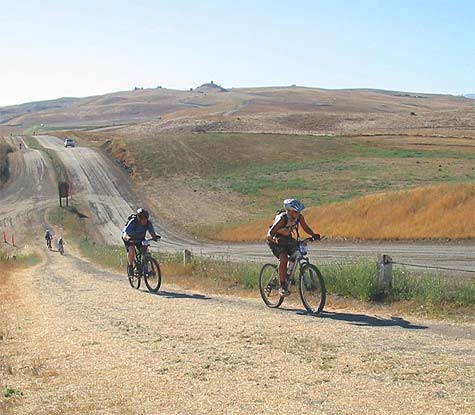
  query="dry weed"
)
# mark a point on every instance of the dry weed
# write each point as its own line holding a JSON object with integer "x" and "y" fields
{"x": 435, "y": 212}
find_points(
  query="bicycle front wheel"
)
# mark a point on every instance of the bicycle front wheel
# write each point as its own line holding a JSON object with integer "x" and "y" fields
{"x": 312, "y": 289}
{"x": 269, "y": 286}
{"x": 152, "y": 274}
{"x": 134, "y": 280}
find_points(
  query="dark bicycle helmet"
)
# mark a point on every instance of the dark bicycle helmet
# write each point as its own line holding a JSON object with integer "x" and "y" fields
{"x": 142, "y": 213}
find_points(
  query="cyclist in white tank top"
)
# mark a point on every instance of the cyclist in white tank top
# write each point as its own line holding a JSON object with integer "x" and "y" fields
{"x": 280, "y": 236}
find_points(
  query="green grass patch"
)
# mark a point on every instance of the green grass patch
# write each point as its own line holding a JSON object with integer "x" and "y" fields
{"x": 433, "y": 289}
{"x": 71, "y": 218}
{"x": 14, "y": 258}
{"x": 11, "y": 392}
{"x": 352, "y": 279}
{"x": 357, "y": 279}
{"x": 265, "y": 168}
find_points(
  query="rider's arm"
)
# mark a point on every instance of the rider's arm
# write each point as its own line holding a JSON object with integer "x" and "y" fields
{"x": 152, "y": 232}
{"x": 307, "y": 228}
{"x": 272, "y": 233}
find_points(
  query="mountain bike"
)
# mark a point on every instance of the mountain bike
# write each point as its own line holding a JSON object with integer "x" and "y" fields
{"x": 310, "y": 281}
{"x": 146, "y": 267}
{"x": 61, "y": 248}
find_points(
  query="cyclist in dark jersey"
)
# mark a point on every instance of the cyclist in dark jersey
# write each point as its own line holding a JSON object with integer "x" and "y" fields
{"x": 283, "y": 234}
{"x": 134, "y": 233}
{"x": 48, "y": 238}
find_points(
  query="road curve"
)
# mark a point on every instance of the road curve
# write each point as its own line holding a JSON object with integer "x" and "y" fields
{"x": 30, "y": 190}
{"x": 111, "y": 198}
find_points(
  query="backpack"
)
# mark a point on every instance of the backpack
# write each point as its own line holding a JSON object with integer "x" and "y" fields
{"x": 132, "y": 216}
{"x": 279, "y": 212}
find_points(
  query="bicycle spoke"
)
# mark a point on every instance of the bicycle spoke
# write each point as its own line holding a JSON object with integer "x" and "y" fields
{"x": 152, "y": 274}
{"x": 312, "y": 289}
{"x": 134, "y": 280}
{"x": 269, "y": 285}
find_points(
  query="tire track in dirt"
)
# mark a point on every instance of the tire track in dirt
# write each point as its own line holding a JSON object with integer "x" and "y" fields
{"x": 30, "y": 190}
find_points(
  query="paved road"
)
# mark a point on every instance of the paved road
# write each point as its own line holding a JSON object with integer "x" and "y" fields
{"x": 111, "y": 198}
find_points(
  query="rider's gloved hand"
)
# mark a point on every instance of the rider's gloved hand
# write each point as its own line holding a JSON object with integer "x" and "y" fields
{"x": 316, "y": 237}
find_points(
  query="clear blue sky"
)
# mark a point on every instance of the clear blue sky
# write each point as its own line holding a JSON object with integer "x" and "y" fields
{"x": 56, "y": 48}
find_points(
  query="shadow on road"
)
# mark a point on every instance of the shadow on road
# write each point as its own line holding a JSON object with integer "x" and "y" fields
{"x": 371, "y": 321}
{"x": 172, "y": 294}
{"x": 362, "y": 320}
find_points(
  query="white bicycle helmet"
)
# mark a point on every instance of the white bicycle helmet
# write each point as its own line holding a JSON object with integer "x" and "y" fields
{"x": 294, "y": 204}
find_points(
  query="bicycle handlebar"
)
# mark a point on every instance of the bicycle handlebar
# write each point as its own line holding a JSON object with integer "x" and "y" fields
{"x": 143, "y": 240}
{"x": 303, "y": 241}
{"x": 310, "y": 239}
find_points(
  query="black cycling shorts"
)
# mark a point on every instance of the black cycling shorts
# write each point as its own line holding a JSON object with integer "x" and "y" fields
{"x": 138, "y": 244}
{"x": 288, "y": 247}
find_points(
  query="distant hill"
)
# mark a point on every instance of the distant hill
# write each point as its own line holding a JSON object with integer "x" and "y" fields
{"x": 10, "y": 112}
{"x": 290, "y": 110}
{"x": 210, "y": 87}
{"x": 471, "y": 96}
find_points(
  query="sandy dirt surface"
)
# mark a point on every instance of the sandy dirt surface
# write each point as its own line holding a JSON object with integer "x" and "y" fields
{"x": 78, "y": 340}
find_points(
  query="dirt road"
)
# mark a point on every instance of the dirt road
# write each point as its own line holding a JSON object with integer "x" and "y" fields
{"x": 78, "y": 340}
{"x": 111, "y": 198}
{"x": 30, "y": 190}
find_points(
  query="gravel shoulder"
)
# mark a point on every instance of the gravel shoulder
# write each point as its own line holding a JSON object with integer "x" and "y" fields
{"x": 78, "y": 339}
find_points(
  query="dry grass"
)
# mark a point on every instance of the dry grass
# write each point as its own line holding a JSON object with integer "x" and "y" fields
{"x": 435, "y": 212}
{"x": 4, "y": 150}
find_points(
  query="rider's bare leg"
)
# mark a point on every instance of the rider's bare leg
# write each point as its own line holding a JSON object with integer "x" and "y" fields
{"x": 131, "y": 255}
{"x": 283, "y": 260}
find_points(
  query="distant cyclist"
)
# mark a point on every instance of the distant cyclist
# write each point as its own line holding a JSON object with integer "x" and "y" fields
{"x": 134, "y": 233}
{"x": 282, "y": 236}
{"x": 48, "y": 238}
{"x": 61, "y": 245}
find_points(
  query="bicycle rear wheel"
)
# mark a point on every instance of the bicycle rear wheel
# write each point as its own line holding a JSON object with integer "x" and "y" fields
{"x": 269, "y": 286}
{"x": 134, "y": 280}
{"x": 152, "y": 274}
{"x": 312, "y": 289}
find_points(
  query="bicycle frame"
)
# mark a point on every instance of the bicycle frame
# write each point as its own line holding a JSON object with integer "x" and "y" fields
{"x": 146, "y": 267}
{"x": 299, "y": 257}
{"x": 141, "y": 252}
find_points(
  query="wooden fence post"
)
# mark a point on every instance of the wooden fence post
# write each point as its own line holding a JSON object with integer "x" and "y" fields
{"x": 385, "y": 273}
{"x": 187, "y": 256}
